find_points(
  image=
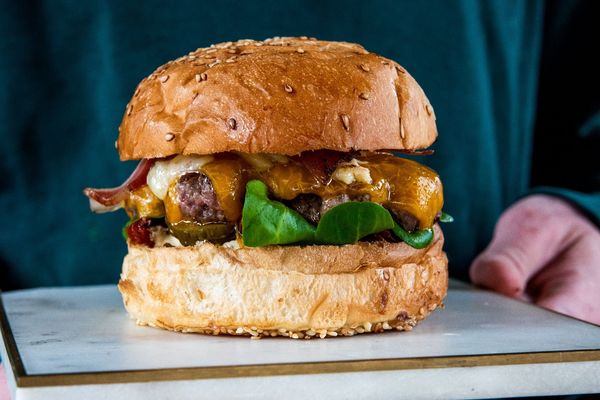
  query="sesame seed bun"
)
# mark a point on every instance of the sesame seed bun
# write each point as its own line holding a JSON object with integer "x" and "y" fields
{"x": 295, "y": 291}
{"x": 282, "y": 95}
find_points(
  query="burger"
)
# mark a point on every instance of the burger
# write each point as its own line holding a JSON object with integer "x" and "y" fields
{"x": 270, "y": 199}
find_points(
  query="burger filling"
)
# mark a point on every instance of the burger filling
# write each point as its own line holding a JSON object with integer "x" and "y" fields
{"x": 319, "y": 197}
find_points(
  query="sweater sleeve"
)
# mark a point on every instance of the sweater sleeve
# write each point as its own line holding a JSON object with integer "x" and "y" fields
{"x": 566, "y": 157}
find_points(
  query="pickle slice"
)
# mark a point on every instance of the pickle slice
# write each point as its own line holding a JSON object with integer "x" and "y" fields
{"x": 190, "y": 232}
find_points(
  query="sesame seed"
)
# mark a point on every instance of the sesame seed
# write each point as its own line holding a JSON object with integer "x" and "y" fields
{"x": 363, "y": 96}
{"x": 384, "y": 62}
{"x": 288, "y": 88}
{"x": 212, "y": 64}
{"x": 256, "y": 333}
{"x": 116, "y": 144}
{"x": 232, "y": 124}
{"x": 365, "y": 67}
{"x": 386, "y": 275}
{"x": 231, "y": 51}
{"x": 210, "y": 51}
{"x": 304, "y": 37}
{"x": 400, "y": 69}
{"x": 402, "y": 134}
{"x": 230, "y": 60}
{"x": 169, "y": 136}
{"x": 198, "y": 78}
{"x": 300, "y": 50}
{"x": 129, "y": 109}
{"x": 428, "y": 109}
{"x": 164, "y": 78}
{"x": 345, "y": 121}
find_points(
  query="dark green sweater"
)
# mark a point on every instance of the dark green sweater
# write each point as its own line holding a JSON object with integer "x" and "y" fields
{"x": 514, "y": 85}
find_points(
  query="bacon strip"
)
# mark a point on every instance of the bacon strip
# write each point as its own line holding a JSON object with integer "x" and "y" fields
{"x": 105, "y": 200}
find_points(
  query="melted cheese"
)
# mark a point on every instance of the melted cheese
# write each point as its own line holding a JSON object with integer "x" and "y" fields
{"x": 396, "y": 183}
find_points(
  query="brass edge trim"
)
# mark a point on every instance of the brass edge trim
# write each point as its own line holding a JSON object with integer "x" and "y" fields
{"x": 14, "y": 358}
{"x": 246, "y": 371}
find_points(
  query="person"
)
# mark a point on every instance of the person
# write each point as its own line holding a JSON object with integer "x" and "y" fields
{"x": 514, "y": 85}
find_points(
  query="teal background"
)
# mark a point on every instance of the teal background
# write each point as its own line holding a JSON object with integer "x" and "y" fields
{"x": 515, "y": 85}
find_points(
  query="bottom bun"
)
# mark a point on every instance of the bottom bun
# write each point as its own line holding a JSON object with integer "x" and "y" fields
{"x": 294, "y": 291}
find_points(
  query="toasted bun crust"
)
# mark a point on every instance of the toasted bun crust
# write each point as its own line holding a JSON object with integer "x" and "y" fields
{"x": 297, "y": 291}
{"x": 282, "y": 95}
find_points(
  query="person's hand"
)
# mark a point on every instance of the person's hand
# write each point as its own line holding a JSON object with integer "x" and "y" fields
{"x": 4, "y": 392}
{"x": 544, "y": 251}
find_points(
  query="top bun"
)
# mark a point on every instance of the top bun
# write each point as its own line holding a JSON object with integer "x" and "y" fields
{"x": 281, "y": 95}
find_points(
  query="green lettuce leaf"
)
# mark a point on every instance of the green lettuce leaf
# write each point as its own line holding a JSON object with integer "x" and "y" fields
{"x": 349, "y": 222}
{"x": 417, "y": 239}
{"x": 446, "y": 218}
{"x": 266, "y": 222}
{"x": 125, "y": 227}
